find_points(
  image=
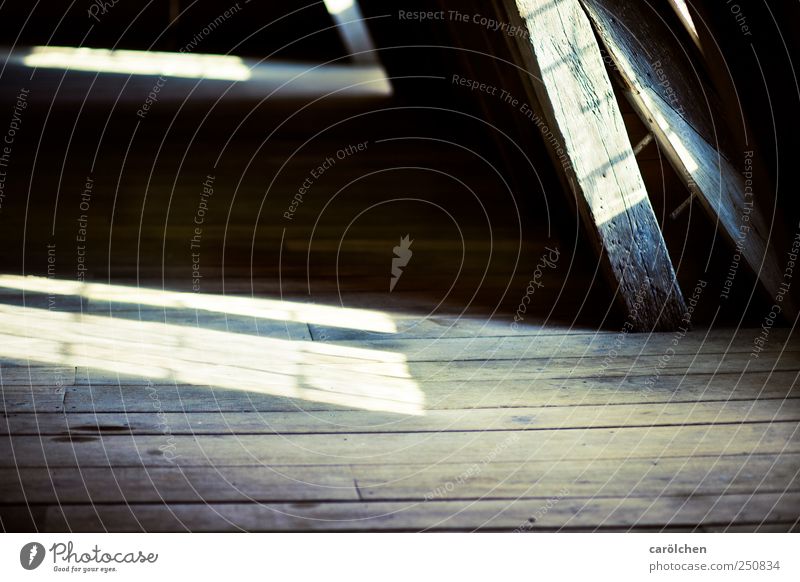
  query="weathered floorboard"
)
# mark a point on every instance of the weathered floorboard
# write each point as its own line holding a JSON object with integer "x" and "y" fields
{"x": 442, "y": 395}
{"x": 679, "y": 476}
{"x": 380, "y": 448}
{"x": 381, "y": 377}
{"x": 349, "y": 422}
{"x": 522, "y": 515}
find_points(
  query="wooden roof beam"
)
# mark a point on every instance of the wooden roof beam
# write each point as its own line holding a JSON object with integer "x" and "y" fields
{"x": 672, "y": 99}
{"x": 590, "y": 144}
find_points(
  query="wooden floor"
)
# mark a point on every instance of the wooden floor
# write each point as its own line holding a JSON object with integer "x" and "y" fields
{"x": 447, "y": 424}
{"x": 299, "y": 394}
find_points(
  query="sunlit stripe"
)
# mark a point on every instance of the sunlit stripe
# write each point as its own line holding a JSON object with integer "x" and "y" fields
{"x": 245, "y": 306}
{"x": 193, "y": 66}
{"x": 340, "y": 375}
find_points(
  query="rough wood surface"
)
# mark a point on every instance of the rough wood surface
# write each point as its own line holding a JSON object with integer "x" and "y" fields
{"x": 523, "y": 515}
{"x": 672, "y": 477}
{"x": 592, "y": 147}
{"x": 386, "y": 375}
{"x": 350, "y": 422}
{"x": 444, "y": 395}
{"x": 127, "y": 409}
{"x": 672, "y": 99}
{"x": 394, "y": 448}
{"x": 571, "y": 439}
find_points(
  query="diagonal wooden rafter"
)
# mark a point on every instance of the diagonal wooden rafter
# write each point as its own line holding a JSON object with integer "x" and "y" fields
{"x": 590, "y": 144}
{"x": 673, "y": 101}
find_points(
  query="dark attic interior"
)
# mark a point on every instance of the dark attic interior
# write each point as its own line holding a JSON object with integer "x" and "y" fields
{"x": 522, "y": 265}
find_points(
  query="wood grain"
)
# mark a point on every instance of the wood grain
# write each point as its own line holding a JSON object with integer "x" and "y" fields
{"x": 592, "y": 147}
{"x": 523, "y": 515}
{"x": 671, "y": 98}
{"x": 167, "y": 449}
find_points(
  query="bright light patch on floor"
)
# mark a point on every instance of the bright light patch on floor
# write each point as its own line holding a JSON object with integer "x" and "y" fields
{"x": 193, "y": 66}
{"x": 339, "y": 375}
{"x": 275, "y": 309}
